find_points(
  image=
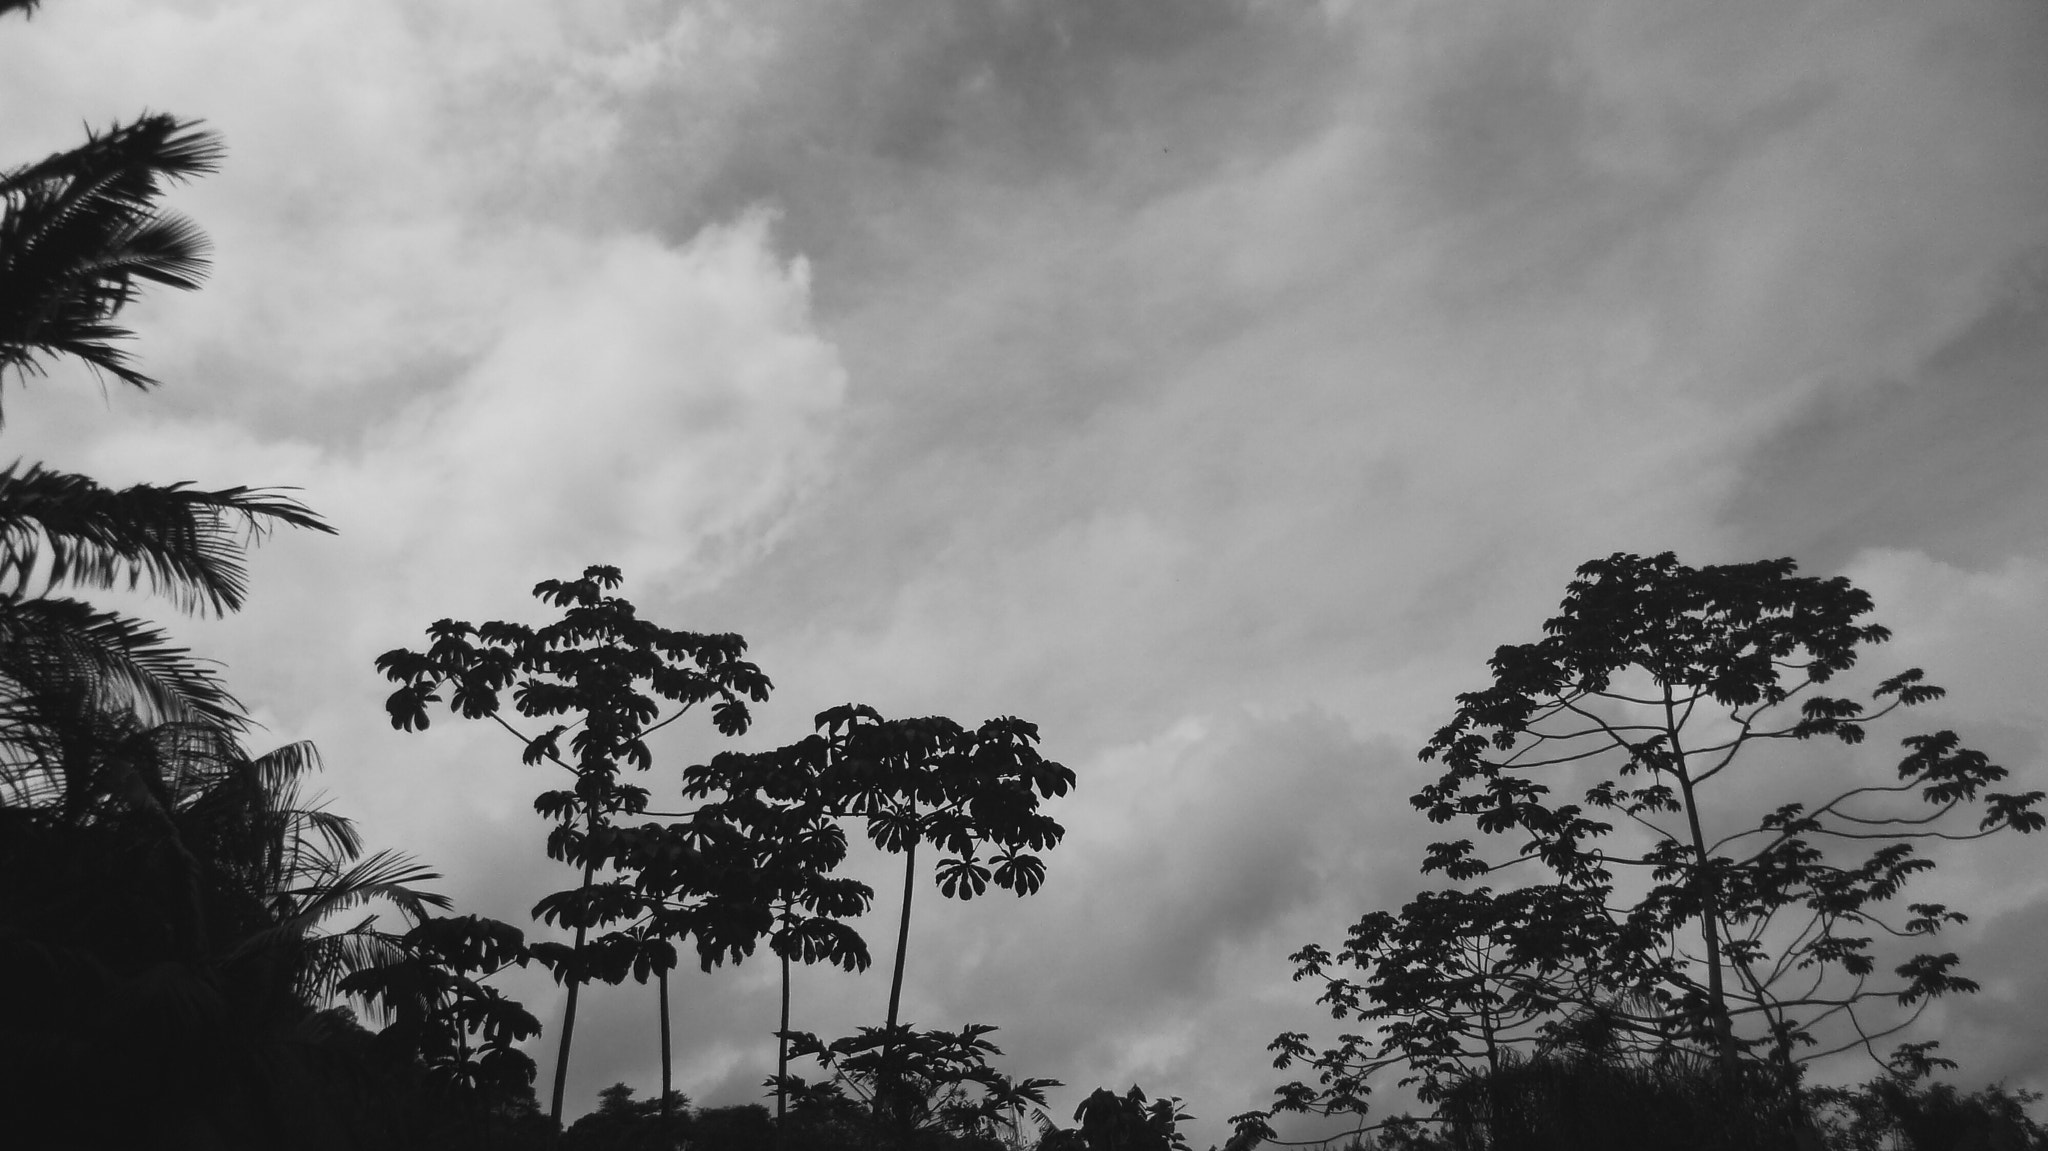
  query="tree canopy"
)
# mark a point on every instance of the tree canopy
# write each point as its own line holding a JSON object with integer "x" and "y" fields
{"x": 1660, "y": 905}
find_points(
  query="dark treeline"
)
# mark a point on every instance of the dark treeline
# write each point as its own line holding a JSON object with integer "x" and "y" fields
{"x": 197, "y": 955}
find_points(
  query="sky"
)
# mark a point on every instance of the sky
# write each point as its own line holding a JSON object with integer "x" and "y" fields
{"x": 1214, "y": 383}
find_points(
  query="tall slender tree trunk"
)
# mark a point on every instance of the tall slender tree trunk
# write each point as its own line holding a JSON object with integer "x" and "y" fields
{"x": 575, "y": 985}
{"x": 903, "y": 930}
{"x": 1710, "y": 907}
{"x": 667, "y": 1105}
{"x": 885, "y": 1089}
{"x": 782, "y": 1050}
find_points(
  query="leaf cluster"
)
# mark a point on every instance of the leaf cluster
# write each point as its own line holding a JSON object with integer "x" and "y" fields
{"x": 1127, "y": 1122}
{"x": 461, "y": 1030}
{"x": 920, "y": 781}
{"x": 905, "y": 1081}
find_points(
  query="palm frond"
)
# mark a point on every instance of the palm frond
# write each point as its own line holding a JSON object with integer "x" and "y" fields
{"x": 194, "y": 757}
{"x": 386, "y": 875}
{"x": 184, "y": 542}
{"x": 333, "y": 955}
{"x": 99, "y": 771}
{"x": 280, "y": 771}
{"x": 169, "y": 249}
{"x": 125, "y": 163}
{"x": 60, "y": 657}
{"x": 301, "y": 907}
{"x": 337, "y": 836}
{"x": 80, "y": 228}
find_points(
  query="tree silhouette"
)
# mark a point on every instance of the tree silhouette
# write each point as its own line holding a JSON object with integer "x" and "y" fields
{"x": 461, "y": 1031}
{"x": 1662, "y": 683}
{"x": 172, "y": 903}
{"x": 1112, "y": 1122}
{"x": 733, "y": 872}
{"x": 913, "y": 781}
{"x": 612, "y": 671}
{"x": 908, "y": 1088}
{"x": 775, "y": 800}
{"x": 1452, "y": 984}
{"x": 931, "y": 781}
{"x": 622, "y": 1123}
{"x": 1890, "y": 1112}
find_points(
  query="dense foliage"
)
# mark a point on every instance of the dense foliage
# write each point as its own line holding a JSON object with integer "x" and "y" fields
{"x": 172, "y": 897}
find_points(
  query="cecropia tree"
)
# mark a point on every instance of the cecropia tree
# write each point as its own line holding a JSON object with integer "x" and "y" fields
{"x": 610, "y": 674}
{"x": 1657, "y": 891}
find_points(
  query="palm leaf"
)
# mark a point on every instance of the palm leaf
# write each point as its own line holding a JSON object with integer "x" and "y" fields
{"x": 54, "y": 652}
{"x": 309, "y": 898}
{"x": 124, "y": 165}
{"x": 386, "y": 875}
{"x": 58, "y": 527}
{"x": 80, "y": 228}
{"x": 330, "y": 957}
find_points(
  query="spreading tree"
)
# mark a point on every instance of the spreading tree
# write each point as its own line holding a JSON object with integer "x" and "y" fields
{"x": 1621, "y": 758}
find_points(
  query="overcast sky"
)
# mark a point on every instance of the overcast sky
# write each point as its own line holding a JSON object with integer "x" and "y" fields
{"x": 1213, "y": 382}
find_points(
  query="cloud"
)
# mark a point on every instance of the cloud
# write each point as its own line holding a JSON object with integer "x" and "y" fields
{"x": 2001, "y": 1026}
{"x": 1937, "y": 457}
{"x": 1977, "y": 631}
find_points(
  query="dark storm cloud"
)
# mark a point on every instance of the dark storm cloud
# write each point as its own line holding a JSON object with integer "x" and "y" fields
{"x": 1946, "y": 460}
{"x": 1545, "y": 166}
{"x": 860, "y": 104}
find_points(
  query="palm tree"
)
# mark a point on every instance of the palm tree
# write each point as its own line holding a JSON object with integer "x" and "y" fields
{"x": 80, "y": 232}
{"x": 175, "y": 903}
{"x": 67, "y": 667}
{"x": 306, "y": 868}
{"x": 65, "y": 664}
{"x": 173, "y": 898}
{"x": 170, "y": 897}
{"x": 168, "y": 915}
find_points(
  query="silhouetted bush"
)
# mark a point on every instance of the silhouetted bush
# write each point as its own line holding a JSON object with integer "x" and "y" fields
{"x": 1890, "y": 1115}
{"x": 1555, "y": 1104}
